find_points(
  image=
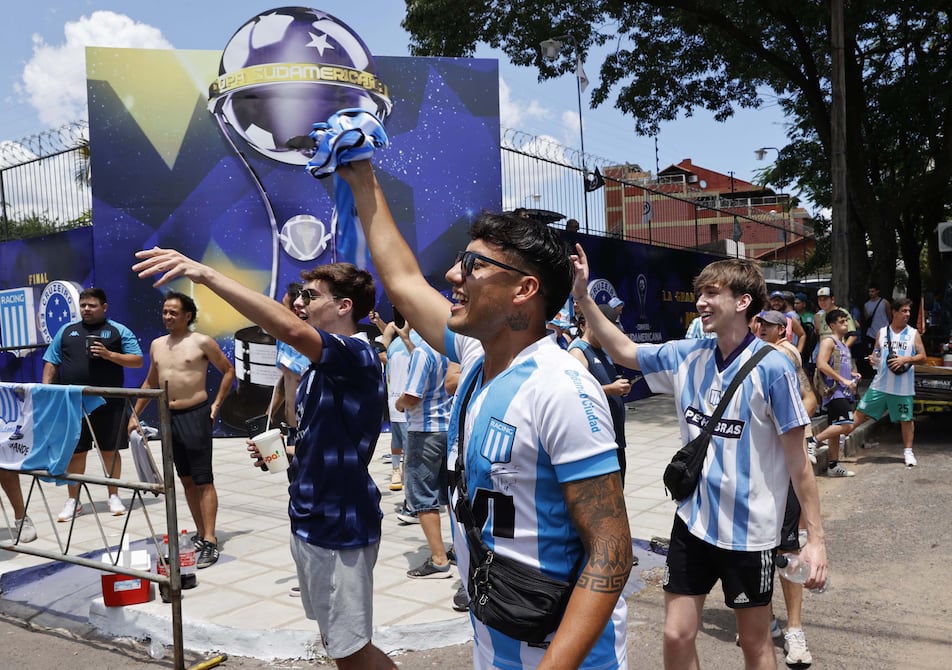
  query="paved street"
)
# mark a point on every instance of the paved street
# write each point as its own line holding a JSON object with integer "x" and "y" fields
{"x": 889, "y": 537}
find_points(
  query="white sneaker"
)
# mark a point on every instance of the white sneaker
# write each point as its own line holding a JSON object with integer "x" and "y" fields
{"x": 71, "y": 509}
{"x": 811, "y": 450}
{"x": 25, "y": 529}
{"x": 910, "y": 458}
{"x": 116, "y": 508}
{"x": 795, "y": 644}
{"x": 839, "y": 471}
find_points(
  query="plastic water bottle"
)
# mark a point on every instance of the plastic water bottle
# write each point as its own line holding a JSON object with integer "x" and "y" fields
{"x": 156, "y": 649}
{"x": 188, "y": 561}
{"x": 187, "y": 558}
{"x": 794, "y": 569}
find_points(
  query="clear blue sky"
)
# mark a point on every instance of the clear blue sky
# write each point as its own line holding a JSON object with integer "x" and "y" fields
{"x": 36, "y": 48}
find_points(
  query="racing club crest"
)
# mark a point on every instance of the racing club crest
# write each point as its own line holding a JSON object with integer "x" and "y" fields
{"x": 59, "y": 305}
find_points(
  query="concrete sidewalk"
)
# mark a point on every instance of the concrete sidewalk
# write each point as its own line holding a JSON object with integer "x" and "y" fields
{"x": 242, "y": 604}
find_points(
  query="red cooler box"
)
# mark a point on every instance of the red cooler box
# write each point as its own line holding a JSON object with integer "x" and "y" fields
{"x": 119, "y": 590}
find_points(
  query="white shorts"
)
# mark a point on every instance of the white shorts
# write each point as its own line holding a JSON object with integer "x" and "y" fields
{"x": 337, "y": 591}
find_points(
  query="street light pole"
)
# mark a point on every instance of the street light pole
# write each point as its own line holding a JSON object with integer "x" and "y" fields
{"x": 551, "y": 48}
{"x": 759, "y": 154}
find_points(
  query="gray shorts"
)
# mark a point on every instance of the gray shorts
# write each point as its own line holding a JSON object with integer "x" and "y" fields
{"x": 337, "y": 591}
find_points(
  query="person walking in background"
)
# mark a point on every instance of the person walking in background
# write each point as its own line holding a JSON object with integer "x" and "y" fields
{"x": 94, "y": 352}
{"x": 772, "y": 327}
{"x": 427, "y": 405}
{"x": 877, "y": 314}
{"x": 897, "y": 350}
{"x": 178, "y": 362}
{"x": 588, "y": 350}
{"x": 399, "y": 346}
{"x": 728, "y": 528}
{"x": 837, "y": 388}
{"x": 537, "y": 443}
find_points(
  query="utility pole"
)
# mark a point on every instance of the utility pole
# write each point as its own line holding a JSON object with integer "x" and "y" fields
{"x": 838, "y": 168}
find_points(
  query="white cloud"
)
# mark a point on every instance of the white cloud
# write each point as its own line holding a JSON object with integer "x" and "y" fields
{"x": 516, "y": 113}
{"x": 54, "y": 79}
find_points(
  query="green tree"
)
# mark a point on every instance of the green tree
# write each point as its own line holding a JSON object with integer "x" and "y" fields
{"x": 671, "y": 57}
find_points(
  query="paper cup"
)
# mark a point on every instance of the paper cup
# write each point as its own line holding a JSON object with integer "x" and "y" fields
{"x": 272, "y": 451}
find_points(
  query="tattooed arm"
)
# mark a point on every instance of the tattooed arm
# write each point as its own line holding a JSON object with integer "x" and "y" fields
{"x": 597, "y": 506}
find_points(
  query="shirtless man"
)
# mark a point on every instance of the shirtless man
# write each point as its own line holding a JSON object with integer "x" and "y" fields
{"x": 180, "y": 361}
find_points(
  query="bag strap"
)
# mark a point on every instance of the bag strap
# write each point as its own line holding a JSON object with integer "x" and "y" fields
{"x": 464, "y": 511}
{"x": 732, "y": 387}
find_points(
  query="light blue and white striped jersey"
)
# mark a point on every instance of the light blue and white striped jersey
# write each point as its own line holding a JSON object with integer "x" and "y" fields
{"x": 543, "y": 421}
{"x": 903, "y": 344}
{"x": 739, "y": 504}
{"x": 398, "y": 365}
{"x": 425, "y": 381}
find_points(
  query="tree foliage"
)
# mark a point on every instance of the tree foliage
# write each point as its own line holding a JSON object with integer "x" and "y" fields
{"x": 672, "y": 57}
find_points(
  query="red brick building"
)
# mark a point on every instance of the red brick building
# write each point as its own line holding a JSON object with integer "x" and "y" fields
{"x": 690, "y": 206}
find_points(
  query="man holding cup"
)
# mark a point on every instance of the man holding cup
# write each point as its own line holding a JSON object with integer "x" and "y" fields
{"x": 94, "y": 352}
{"x": 179, "y": 362}
{"x": 334, "y": 503}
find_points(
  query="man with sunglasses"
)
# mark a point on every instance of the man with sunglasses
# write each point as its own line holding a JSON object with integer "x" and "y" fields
{"x": 538, "y": 448}
{"x": 334, "y": 503}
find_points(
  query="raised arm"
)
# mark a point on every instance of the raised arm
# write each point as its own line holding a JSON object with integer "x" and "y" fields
{"x": 271, "y": 315}
{"x": 619, "y": 347}
{"x": 396, "y": 265}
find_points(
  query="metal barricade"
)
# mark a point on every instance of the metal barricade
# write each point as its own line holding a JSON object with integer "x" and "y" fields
{"x": 172, "y": 580}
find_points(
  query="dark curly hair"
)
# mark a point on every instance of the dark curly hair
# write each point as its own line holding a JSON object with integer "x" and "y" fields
{"x": 534, "y": 247}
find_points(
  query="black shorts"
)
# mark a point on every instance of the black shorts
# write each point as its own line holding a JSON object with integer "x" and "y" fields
{"x": 839, "y": 411}
{"x": 192, "y": 443}
{"x": 790, "y": 532}
{"x": 694, "y": 566}
{"x": 109, "y": 426}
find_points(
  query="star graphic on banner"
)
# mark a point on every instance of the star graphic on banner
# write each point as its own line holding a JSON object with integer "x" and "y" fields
{"x": 319, "y": 42}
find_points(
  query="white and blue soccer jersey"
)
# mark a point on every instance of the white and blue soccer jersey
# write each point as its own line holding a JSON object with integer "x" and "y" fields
{"x": 903, "y": 344}
{"x": 739, "y": 504}
{"x": 541, "y": 422}
{"x": 398, "y": 365}
{"x": 425, "y": 381}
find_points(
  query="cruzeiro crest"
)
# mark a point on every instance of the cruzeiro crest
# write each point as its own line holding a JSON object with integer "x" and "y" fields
{"x": 59, "y": 305}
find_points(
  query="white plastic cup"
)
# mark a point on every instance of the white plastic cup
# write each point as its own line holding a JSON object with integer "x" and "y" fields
{"x": 271, "y": 447}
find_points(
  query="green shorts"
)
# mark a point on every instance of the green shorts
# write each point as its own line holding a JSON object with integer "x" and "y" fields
{"x": 875, "y": 403}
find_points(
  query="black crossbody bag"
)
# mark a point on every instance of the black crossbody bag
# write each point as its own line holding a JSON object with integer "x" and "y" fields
{"x": 505, "y": 594}
{"x": 682, "y": 474}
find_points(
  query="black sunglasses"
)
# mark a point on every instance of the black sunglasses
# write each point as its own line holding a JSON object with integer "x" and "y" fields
{"x": 467, "y": 261}
{"x": 307, "y": 295}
